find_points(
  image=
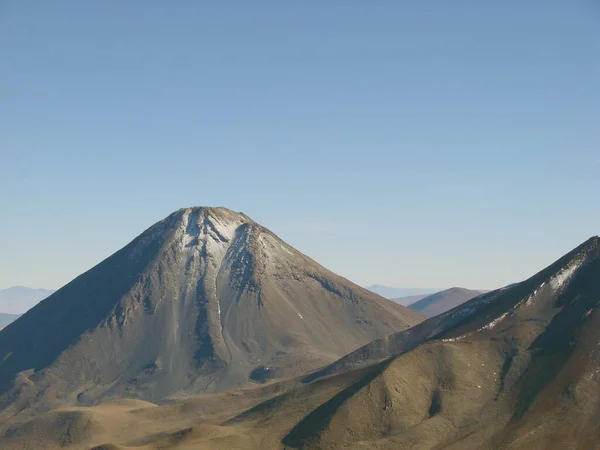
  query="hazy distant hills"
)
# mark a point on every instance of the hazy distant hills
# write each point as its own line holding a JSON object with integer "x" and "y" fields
{"x": 18, "y": 299}
{"x": 431, "y": 304}
{"x": 395, "y": 293}
{"x": 443, "y": 301}
{"x": 204, "y": 300}
{"x": 407, "y": 301}
{"x": 516, "y": 368}
{"x": 5, "y": 319}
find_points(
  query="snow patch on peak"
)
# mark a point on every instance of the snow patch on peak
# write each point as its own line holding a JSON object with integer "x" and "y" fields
{"x": 226, "y": 228}
{"x": 201, "y": 227}
{"x": 563, "y": 277}
{"x": 286, "y": 250}
{"x": 529, "y": 300}
{"x": 272, "y": 249}
{"x": 456, "y": 339}
{"x": 493, "y": 323}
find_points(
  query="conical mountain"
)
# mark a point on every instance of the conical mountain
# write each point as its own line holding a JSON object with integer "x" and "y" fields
{"x": 202, "y": 301}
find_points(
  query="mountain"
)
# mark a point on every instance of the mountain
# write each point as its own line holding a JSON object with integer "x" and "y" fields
{"x": 516, "y": 368}
{"x": 409, "y": 300}
{"x": 203, "y": 301}
{"x": 5, "y": 319}
{"x": 393, "y": 292}
{"x": 18, "y": 299}
{"x": 443, "y": 301}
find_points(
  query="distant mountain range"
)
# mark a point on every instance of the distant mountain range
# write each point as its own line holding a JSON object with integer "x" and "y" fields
{"x": 429, "y": 304}
{"x": 19, "y": 299}
{"x": 5, "y": 319}
{"x": 395, "y": 293}
{"x": 443, "y": 301}
{"x": 407, "y": 301}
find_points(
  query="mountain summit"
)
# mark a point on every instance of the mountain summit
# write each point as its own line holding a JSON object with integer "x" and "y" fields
{"x": 204, "y": 300}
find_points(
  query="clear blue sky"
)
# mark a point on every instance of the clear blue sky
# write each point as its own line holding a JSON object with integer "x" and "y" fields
{"x": 413, "y": 144}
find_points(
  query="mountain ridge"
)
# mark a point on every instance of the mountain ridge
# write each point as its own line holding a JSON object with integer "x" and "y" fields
{"x": 517, "y": 368}
{"x": 437, "y": 326}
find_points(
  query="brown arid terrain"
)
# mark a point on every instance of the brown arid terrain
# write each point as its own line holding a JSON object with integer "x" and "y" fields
{"x": 204, "y": 301}
{"x": 516, "y": 368}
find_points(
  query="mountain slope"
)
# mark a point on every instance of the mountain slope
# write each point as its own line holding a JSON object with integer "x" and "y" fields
{"x": 18, "y": 299}
{"x": 440, "y": 302}
{"x": 517, "y": 368}
{"x": 203, "y": 301}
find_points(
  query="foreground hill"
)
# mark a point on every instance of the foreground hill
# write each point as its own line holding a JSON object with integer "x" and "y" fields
{"x": 517, "y": 368}
{"x": 440, "y": 302}
{"x": 513, "y": 368}
{"x": 203, "y": 301}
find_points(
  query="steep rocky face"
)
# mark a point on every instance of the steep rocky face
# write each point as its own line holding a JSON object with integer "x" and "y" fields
{"x": 204, "y": 300}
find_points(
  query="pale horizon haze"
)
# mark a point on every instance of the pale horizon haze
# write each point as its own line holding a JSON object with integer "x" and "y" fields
{"x": 396, "y": 143}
